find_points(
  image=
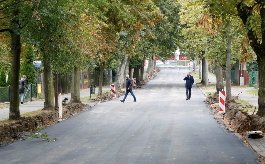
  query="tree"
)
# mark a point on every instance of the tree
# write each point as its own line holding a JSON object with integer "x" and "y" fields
{"x": 253, "y": 17}
{"x": 3, "y": 78}
{"x": 27, "y": 67}
{"x": 121, "y": 16}
{"x": 194, "y": 39}
{"x": 12, "y": 21}
{"x": 50, "y": 34}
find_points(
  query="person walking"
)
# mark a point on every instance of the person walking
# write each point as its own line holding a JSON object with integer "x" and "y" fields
{"x": 189, "y": 82}
{"x": 128, "y": 89}
{"x": 22, "y": 85}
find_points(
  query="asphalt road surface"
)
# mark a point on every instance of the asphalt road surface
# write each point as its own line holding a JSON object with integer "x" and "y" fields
{"x": 161, "y": 127}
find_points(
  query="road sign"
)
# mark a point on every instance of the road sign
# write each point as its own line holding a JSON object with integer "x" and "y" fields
{"x": 37, "y": 63}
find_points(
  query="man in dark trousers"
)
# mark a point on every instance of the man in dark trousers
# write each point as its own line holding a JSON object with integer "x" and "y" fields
{"x": 128, "y": 89}
{"x": 189, "y": 81}
{"x": 22, "y": 85}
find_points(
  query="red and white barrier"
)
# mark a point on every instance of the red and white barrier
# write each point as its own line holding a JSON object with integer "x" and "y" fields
{"x": 222, "y": 101}
{"x": 112, "y": 88}
{"x": 148, "y": 77}
{"x": 134, "y": 82}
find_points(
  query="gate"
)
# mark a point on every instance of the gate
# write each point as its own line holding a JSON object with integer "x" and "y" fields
{"x": 253, "y": 78}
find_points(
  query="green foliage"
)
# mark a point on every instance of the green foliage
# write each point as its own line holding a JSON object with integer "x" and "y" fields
{"x": 27, "y": 67}
{"x": 38, "y": 134}
{"x": 161, "y": 40}
{"x": 9, "y": 78}
{"x": 252, "y": 66}
{"x": 3, "y": 78}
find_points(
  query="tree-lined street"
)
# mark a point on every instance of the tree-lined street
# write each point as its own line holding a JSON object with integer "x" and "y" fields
{"x": 162, "y": 127}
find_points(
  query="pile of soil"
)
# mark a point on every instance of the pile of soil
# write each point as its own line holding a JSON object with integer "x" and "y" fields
{"x": 23, "y": 127}
{"x": 234, "y": 118}
{"x": 107, "y": 96}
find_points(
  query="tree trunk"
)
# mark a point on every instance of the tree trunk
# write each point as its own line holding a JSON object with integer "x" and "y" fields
{"x": 75, "y": 95}
{"x": 126, "y": 72}
{"x": 204, "y": 72}
{"x": 95, "y": 75}
{"x": 154, "y": 65}
{"x": 82, "y": 79}
{"x": 219, "y": 78}
{"x": 101, "y": 74}
{"x": 120, "y": 74}
{"x": 42, "y": 84}
{"x": 14, "y": 112}
{"x": 131, "y": 72}
{"x": 237, "y": 72}
{"x": 110, "y": 75}
{"x": 200, "y": 69}
{"x": 228, "y": 65}
{"x": 150, "y": 63}
{"x": 56, "y": 92}
{"x": 141, "y": 76}
{"x": 136, "y": 74}
{"x": 48, "y": 84}
{"x": 261, "y": 100}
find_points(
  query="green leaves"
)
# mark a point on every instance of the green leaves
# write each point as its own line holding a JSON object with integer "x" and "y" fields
{"x": 38, "y": 134}
{"x": 27, "y": 68}
{"x": 204, "y": 25}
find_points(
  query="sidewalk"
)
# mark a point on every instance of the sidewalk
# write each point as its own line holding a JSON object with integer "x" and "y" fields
{"x": 257, "y": 144}
{"x": 239, "y": 91}
{"x": 36, "y": 105}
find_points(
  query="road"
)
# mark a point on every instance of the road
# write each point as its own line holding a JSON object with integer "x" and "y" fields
{"x": 161, "y": 127}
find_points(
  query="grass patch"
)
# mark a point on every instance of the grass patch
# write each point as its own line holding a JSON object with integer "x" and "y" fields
{"x": 245, "y": 107}
{"x": 93, "y": 96}
{"x": 210, "y": 93}
{"x": 35, "y": 113}
{"x": 242, "y": 102}
{"x": 254, "y": 92}
{"x": 208, "y": 88}
{"x": 4, "y": 105}
{"x": 198, "y": 80}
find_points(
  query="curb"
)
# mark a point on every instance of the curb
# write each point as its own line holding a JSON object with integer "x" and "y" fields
{"x": 201, "y": 89}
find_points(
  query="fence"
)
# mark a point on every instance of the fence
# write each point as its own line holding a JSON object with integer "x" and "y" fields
{"x": 32, "y": 93}
{"x": 253, "y": 79}
{"x": 28, "y": 94}
{"x": 4, "y": 94}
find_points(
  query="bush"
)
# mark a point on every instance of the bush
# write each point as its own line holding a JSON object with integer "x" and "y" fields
{"x": 27, "y": 67}
{"x": 3, "y": 78}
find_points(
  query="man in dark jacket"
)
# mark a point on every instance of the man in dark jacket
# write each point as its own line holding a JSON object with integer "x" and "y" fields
{"x": 128, "y": 89}
{"x": 22, "y": 85}
{"x": 189, "y": 81}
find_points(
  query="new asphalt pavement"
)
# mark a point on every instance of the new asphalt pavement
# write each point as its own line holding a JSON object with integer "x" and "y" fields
{"x": 161, "y": 127}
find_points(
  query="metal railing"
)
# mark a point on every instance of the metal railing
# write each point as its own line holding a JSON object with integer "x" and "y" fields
{"x": 28, "y": 94}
